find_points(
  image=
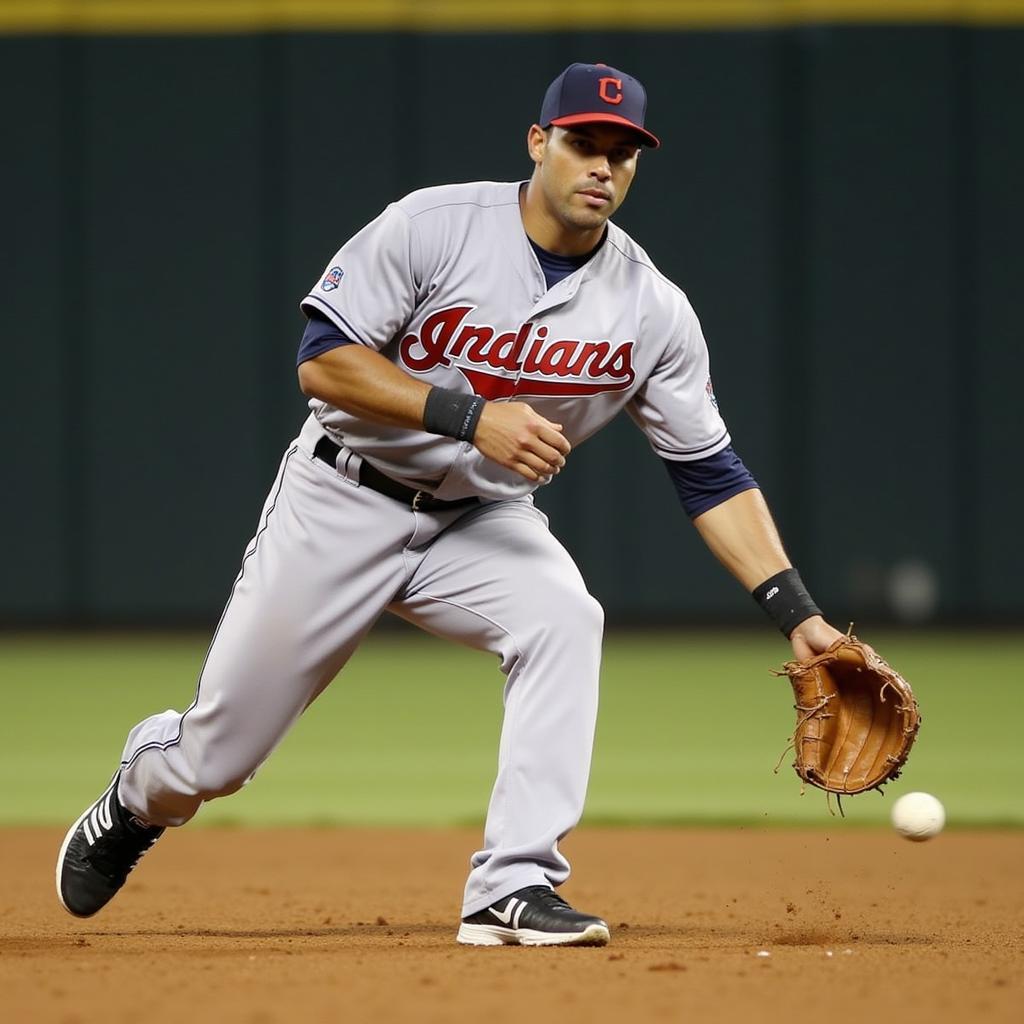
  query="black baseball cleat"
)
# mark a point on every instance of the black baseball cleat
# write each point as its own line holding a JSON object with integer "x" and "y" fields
{"x": 534, "y": 916}
{"x": 99, "y": 852}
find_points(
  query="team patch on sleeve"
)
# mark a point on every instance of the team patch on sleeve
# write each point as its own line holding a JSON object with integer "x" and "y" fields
{"x": 332, "y": 279}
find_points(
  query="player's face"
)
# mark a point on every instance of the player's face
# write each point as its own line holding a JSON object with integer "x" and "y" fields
{"x": 584, "y": 171}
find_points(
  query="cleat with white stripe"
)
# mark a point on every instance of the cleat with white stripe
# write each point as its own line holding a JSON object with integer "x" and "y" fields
{"x": 99, "y": 852}
{"x": 534, "y": 916}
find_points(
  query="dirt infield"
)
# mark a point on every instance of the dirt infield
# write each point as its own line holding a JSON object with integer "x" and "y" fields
{"x": 352, "y": 925}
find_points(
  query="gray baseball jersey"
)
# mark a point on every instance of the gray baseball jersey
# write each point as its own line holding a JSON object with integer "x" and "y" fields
{"x": 444, "y": 283}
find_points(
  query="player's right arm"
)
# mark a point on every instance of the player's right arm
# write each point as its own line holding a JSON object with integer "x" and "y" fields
{"x": 369, "y": 291}
{"x": 364, "y": 383}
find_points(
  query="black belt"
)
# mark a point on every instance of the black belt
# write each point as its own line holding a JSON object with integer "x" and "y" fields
{"x": 419, "y": 501}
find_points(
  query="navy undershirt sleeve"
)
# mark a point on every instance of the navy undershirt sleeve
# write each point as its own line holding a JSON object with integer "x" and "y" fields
{"x": 320, "y": 336}
{"x": 704, "y": 483}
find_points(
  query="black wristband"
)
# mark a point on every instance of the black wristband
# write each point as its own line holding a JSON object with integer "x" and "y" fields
{"x": 452, "y": 413}
{"x": 785, "y": 600}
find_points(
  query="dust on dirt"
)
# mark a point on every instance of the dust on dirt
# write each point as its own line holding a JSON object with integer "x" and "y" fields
{"x": 352, "y": 925}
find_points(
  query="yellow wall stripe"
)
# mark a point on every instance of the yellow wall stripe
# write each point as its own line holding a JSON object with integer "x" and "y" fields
{"x": 208, "y": 16}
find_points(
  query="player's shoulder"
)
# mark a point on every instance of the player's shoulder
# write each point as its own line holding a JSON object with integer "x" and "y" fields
{"x": 633, "y": 260}
{"x": 465, "y": 197}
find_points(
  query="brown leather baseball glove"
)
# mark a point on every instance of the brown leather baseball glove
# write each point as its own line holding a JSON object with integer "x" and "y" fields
{"x": 856, "y": 718}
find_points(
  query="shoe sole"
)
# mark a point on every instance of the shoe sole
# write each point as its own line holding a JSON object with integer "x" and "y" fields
{"x": 494, "y": 935}
{"x": 70, "y": 835}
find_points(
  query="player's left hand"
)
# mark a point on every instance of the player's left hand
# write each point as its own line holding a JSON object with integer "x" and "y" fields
{"x": 813, "y": 636}
{"x": 856, "y": 716}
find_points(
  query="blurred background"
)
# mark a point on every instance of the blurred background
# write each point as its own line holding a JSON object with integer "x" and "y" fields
{"x": 839, "y": 193}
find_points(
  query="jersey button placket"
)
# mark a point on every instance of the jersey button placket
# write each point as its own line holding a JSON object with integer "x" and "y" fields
{"x": 540, "y": 283}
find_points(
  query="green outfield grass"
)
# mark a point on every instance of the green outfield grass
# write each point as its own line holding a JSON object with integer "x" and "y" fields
{"x": 691, "y": 726}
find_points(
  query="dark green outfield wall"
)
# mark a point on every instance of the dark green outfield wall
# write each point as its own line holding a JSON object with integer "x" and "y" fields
{"x": 843, "y": 207}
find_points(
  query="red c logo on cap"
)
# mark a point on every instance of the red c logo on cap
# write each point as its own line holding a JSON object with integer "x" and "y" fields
{"x": 605, "y": 90}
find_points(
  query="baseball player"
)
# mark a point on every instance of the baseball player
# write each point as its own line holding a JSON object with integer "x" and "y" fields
{"x": 457, "y": 349}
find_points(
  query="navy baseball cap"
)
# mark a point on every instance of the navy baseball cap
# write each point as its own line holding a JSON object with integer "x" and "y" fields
{"x": 584, "y": 93}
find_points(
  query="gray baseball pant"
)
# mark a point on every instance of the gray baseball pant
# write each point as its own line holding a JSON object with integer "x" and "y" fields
{"x": 327, "y": 559}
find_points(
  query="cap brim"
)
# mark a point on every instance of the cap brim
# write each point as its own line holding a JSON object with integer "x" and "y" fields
{"x": 645, "y": 136}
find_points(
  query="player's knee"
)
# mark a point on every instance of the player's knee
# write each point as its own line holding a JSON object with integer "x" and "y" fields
{"x": 220, "y": 780}
{"x": 591, "y": 614}
{"x": 577, "y": 616}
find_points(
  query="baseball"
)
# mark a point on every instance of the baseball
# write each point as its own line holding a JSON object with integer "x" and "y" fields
{"x": 918, "y": 816}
